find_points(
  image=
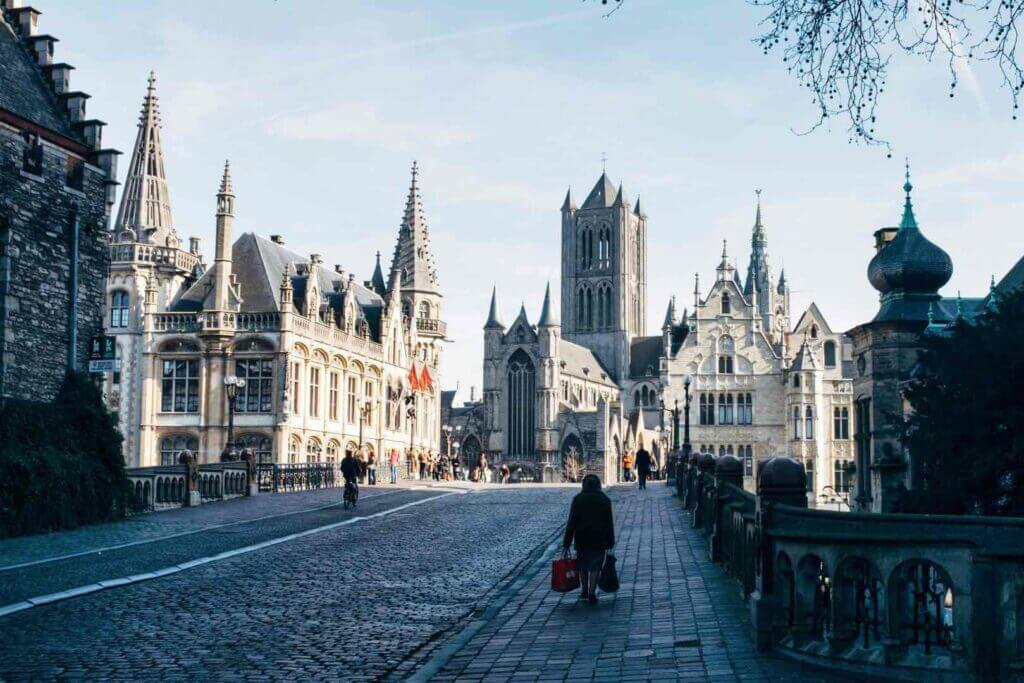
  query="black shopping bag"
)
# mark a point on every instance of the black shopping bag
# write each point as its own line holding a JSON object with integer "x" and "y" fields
{"x": 608, "y": 581}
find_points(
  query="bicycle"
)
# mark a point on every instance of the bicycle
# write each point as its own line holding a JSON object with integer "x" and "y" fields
{"x": 351, "y": 494}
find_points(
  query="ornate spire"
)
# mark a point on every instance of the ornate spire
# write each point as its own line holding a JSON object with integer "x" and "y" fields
{"x": 636, "y": 208}
{"x": 378, "y": 278}
{"x": 412, "y": 250}
{"x": 145, "y": 203}
{"x": 493, "y": 316}
{"x": 670, "y": 315}
{"x": 908, "y": 220}
{"x": 547, "y": 316}
{"x": 225, "y": 181}
{"x": 568, "y": 204}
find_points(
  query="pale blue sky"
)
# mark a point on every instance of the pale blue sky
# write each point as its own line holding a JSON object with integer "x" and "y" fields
{"x": 322, "y": 106}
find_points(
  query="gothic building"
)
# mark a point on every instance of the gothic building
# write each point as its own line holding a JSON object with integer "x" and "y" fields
{"x": 328, "y": 363}
{"x": 57, "y": 184}
{"x": 564, "y": 398}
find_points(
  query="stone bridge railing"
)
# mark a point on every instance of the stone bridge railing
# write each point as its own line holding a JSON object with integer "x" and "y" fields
{"x": 276, "y": 477}
{"x": 898, "y": 596}
{"x": 170, "y": 486}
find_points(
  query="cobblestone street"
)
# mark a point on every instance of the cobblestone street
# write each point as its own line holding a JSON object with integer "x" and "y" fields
{"x": 449, "y": 586}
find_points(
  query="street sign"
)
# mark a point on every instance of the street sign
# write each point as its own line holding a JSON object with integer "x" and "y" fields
{"x": 102, "y": 348}
{"x": 111, "y": 365}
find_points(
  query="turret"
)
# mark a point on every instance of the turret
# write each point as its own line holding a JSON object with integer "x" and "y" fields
{"x": 222, "y": 258}
{"x": 548, "y": 327}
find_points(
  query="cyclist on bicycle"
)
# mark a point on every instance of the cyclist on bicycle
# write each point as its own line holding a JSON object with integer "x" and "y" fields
{"x": 350, "y": 471}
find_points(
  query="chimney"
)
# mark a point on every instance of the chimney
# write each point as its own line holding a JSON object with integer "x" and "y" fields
{"x": 277, "y": 239}
{"x": 60, "y": 77}
{"x": 193, "y": 245}
{"x": 75, "y": 104}
{"x": 42, "y": 48}
{"x": 315, "y": 259}
{"x": 25, "y": 18}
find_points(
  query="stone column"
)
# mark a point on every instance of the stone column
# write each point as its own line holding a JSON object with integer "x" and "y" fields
{"x": 781, "y": 480}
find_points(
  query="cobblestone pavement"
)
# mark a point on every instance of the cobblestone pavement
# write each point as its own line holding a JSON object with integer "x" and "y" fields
{"x": 676, "y": 616}
{"x": 350, "y": 603}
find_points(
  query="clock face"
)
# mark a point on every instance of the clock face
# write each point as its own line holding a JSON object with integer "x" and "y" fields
{"x": 862, "y": 364}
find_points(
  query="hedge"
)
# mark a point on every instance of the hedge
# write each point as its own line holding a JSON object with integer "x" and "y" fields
{"x": 60, "y": 462}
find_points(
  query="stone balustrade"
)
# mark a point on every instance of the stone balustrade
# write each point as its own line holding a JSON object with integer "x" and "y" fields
{"x": 890, "y": 595}
{"x": 431, "y": 327}
{"x": 175, "y": 322}
{"x": 169, "y": 486}
{"x": 133, "y": 252}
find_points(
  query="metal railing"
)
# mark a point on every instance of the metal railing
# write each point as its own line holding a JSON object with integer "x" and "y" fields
{"x": 279, "y": 477}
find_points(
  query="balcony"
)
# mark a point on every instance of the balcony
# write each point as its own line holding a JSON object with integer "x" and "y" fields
{"x": 431, "y": 327}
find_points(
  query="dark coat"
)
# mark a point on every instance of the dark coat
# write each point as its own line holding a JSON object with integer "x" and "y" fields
{"x": 644, "y": 461}
{"x": 590, "y": 522}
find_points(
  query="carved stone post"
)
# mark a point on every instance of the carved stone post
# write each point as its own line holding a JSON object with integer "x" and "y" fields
{"x": 188, "y": 459}
{"x": 249, "y": 458}
{"x": 780, "y": 480}
{"x": 728, "y": 470}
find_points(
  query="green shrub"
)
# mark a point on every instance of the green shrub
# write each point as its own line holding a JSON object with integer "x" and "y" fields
{"x": 60, "y": 462}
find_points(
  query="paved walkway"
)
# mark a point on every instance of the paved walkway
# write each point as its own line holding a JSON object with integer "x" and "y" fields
{"x": 676, "y": 617}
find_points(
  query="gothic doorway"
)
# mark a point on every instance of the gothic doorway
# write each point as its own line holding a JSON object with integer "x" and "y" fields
{"x": 573, "y": 459}
{"x": 470, "y": 451}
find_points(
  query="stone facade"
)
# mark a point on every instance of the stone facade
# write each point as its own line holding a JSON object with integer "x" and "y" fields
{"x": 594, "y": 386}
{"x": 329, "y": 364}
{"x": 56, "y": 190}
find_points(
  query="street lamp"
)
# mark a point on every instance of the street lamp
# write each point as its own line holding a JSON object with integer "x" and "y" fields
{"x": 447, "y": 431}
{"x": 231, "y": 385}
{"x": 364, "y": 408}
{"x": 410, "y": 413}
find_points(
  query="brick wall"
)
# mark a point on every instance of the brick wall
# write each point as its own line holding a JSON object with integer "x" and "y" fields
{"x": 36, "y": 214}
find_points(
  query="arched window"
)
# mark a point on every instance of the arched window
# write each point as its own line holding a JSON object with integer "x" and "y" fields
{"x": 796, "y": 380}
{"x": 120, "y": 301}
{"x": 830, "y": 354}
{"x": 840, "y": 423}
{"x": 609, "y": 320}
{"x": 332, "y": 452}
{"x": 809, "y": 423}
{"x": 726, "y": 349}
{"x": 726, "y": 305}
{"x": 293, "y": 451}
{"x": 521, "y": 404}
{"x": 600, "y": 308}
{"x": 259, "y": 444}
{"x": 748, "y": 460}
{"x": 728, "y": 450}
{"x": 172, "y": 446}
{"x": 797, "y": 430}
{"x": 725, "y": 409}
{"x": 814, "y": 331}
{"x": 636, "y": 399}
{"x": 424, "y": 310}
{"x": 313, "y": 450}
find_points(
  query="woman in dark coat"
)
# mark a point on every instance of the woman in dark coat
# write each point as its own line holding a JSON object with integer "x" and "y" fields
{"x": 591, "y": 526}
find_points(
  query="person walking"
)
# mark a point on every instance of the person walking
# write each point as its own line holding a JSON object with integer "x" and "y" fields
{"x": 485, "y": 469}
{"x": 644, "y": 465}
{"x": 393, "y": 463}
{"x": 627, "y": 466}
{"x": 371, "y": 469}
{"x": 423, "y": 466}
{"x": 592, "y": 528}
{"x": 506, "y": 473}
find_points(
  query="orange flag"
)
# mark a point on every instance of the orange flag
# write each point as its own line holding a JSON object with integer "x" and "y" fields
{"x": 426, "y": 381}
{"x": 414, "y": 382}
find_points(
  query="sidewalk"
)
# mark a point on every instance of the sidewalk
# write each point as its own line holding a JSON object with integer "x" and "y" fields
{"x": 676, "y": 617}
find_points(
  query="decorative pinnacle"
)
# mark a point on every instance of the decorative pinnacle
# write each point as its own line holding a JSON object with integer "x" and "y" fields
{"x": 908, "y": 220}
{"x": 225, "y": 181}
{"x": 757, "y": 217}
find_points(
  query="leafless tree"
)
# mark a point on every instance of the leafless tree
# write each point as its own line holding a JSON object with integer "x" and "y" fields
{"x": 840, "y": 49}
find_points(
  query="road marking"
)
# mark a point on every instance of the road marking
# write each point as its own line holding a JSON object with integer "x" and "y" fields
{"x": 212, "y": 527}
{"x": 227, "y": 554}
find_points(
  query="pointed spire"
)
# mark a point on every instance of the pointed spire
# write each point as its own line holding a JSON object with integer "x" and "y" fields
{"x": 908, "y": 220}
{"x": 568, "y": 204}
{"x": 412, "y": 255}
{"x": 757, "y": 216}
{"x": 493, "y": 317}
{"x": 636, "y": 208}
{"x": 670, "y": 315}
{"x": 225, "y": 181}
{"x": 378, "y": 278}
{"x": 603, "y": 194}
{"x": 782, "y": 281}
{"x": 547, "y": 316}
{"x": 620, "y": 198}
{"x": 145, "y": 203}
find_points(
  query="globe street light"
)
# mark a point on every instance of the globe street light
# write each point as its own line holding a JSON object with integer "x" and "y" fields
{"x": 232, "y": 384}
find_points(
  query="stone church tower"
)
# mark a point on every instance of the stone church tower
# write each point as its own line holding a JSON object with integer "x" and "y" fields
{"x": 604, "y": 274}
{"x": 146, "y": 256}
{"x": 413, "y": 266}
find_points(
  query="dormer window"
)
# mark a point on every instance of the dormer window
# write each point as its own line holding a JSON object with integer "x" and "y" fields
{"x": 814, "y": 331}
{"x": 726, "y": 305}
{"x": 32, "y": 157}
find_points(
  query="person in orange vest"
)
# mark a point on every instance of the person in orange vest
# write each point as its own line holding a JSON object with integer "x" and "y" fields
{"x": 627, "y": 466}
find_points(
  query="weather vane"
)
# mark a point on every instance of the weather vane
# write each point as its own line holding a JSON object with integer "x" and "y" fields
{"x": 604, "y": 162}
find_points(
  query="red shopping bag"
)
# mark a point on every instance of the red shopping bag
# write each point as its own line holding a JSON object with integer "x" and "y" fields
{"x": 564, "y": 577}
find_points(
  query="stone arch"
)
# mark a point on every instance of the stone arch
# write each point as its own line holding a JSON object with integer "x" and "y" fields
{"x": 813, "y": 597}
{"x": 921, "y": 604}
{"x": 300, "y": 350}
{"x": 574, "y": 457}
{"x": 471, "y": 449}
{"x": 783, "y": 588}
{"x": 251, "y": 343}
{"x": 179, "y": 345}
{"x": 320, "y": 357}
{"x": 859, "y": 606}
{"x": 521, "y": 418}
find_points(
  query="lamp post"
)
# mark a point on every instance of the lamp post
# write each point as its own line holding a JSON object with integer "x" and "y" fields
{"x": 686, "y": 433}
{"x": 231, "y": 385}
{"x": 365, "y": 408}
{"x": 447, "y": 431}
{"x": 455, "y": 470}
{"x": 410, "y": 414}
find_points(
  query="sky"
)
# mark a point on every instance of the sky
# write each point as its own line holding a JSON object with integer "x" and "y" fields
{"x": 323, "y": 106}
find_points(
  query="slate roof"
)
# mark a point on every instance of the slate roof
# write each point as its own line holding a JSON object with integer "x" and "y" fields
{"x": 259, "y": 265}
{"x": 1013, "y": 279}
{"x": 644, "y": 352}
{"x": 576, "y": 359}
{"x": 24, "y": 91}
